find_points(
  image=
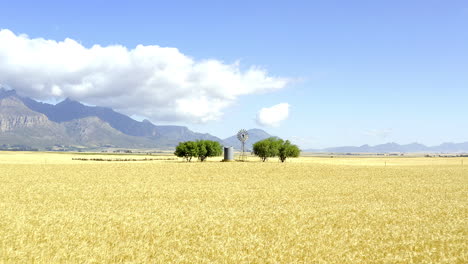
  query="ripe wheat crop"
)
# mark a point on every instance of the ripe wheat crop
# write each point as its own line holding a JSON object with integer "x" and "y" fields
{"x": 310, "y": 210}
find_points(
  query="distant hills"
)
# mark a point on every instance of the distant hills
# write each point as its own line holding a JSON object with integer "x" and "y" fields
{"x": 254, "y": 136}
{"x": 397, "y": 148}
{"x": 71, "y": 124}
{"x": 21, "y": 126}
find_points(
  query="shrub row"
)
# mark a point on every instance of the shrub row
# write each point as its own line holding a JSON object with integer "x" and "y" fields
{"x": 101, "y": 159}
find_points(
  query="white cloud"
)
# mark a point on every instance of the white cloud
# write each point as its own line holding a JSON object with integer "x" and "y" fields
{"x": 160, "y": 83}
{"x": 273, "y": 116}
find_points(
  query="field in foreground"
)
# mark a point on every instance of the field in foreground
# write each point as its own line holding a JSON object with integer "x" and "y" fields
{"x": 311, "y": 210}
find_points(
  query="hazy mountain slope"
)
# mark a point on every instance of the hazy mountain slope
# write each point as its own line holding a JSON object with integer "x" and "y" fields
{"x": 172, "y": 135}
{"x": 131, "y": 132}
{"x": 14, "y": 114}
{"x": 68, "y": 110}
{"x": 451, "y": 147}
{"x": 24, "y": 121}
{"x": 397, "y": 148}
{"x": 92, "y": 131}
{"x": 254, "y": 136}
{"x": 21, "y": 125}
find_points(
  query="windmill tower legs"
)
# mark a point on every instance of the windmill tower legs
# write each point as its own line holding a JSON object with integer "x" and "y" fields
{"x": 243, "y": 151}
{"x": 242, "y": 135}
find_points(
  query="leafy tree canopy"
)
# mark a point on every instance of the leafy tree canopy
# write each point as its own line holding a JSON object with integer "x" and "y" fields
{"x": 200, "y": 148}
{"x": 208, "y": 148}
{"x": 187, "y": 150}
{"x": 267, "y": 148}
{"x": 275, "y": 147}
{"x": 288, "y": 150}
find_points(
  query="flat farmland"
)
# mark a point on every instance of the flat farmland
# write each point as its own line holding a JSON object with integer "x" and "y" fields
{"x": 311, "y": 210}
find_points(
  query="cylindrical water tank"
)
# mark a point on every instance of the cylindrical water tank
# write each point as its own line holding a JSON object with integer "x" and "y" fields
{"x": 228, "y": 154}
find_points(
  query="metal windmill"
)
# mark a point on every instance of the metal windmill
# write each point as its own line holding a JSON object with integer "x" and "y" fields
{"x": 243, "y": 135}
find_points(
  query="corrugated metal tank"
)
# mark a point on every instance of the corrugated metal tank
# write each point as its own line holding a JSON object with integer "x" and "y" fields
{"x": 228, "y": 154}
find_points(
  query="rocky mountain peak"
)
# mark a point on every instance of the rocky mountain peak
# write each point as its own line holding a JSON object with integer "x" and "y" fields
{"x": 14, "y": 115}
{"x": 75, "y": 122}
{"x": 4, "y": 92}
{"x": 69, "y": 101}
{"x": 12, "y": 105}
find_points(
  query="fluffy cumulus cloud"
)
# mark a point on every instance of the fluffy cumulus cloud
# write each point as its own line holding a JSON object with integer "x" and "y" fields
{"x": 273, "y": 116}
{"x": 160, "y": 83}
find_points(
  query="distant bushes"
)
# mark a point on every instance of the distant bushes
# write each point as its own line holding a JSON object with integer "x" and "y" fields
{"x": 102, "y": 159}
{"x": 202, "y": 149}
{"x": 275, "y": 147}
{"x": 17, "y": 148}
{"x": 270, "y": 147}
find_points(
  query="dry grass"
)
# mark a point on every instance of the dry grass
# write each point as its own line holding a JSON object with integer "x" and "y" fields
{"x": 305, "y": 211}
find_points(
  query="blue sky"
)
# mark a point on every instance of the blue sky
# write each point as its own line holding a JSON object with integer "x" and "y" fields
{"x": 359, "y": 72}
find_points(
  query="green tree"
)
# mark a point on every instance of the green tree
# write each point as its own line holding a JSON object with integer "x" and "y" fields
{"x": 208, "y": 148}
{"x": 267, "y": 148}
{"x": 288, "y": 150}
{"x": 187, "y": 150}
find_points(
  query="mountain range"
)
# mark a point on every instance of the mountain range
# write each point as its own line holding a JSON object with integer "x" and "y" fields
{"x": 71, "y": 124}
{"x": 397, "y": 148}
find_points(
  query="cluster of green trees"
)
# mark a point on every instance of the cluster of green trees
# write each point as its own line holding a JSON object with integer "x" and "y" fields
{"x": 275, "y": 147}
{"x": 268, "y": 148}
{"x": 202, "y": 149}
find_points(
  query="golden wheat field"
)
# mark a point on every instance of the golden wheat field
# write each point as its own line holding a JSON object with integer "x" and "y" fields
{"x": 311, "y": 210}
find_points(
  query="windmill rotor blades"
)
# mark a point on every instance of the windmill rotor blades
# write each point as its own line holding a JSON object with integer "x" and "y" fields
{"x": 242, "y": 135}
